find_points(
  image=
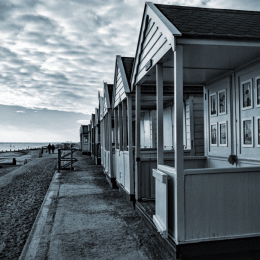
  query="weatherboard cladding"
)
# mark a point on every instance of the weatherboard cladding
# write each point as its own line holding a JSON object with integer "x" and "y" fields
{"x": 101, "y": 108}
{"x": 213, "y": 23}
{"x": 110, "y": 91}
{"x": 153, "y": 45}
{"x": 120, "y": 92}
{"x": 96, "y": 116}
{"x": 105, "y": 105}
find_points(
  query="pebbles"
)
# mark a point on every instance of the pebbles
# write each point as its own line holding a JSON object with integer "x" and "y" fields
{"x": 20, "y": 202}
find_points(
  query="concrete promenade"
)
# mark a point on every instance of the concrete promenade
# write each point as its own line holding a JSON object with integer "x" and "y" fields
{"x": 83, "y": 218}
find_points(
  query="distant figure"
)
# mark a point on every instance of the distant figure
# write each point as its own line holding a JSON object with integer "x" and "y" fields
{"x": 53, "y": 148}
{"x": 49, "y": 148}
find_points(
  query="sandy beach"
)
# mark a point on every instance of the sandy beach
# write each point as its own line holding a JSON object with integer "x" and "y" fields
{"x": 22, "y": 191}
{"x": 21, "y": 157}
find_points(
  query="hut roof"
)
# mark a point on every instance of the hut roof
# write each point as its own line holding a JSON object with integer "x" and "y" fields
{"x": 194, "y": 22}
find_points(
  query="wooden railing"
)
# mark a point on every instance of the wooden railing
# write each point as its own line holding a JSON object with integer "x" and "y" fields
{"x": 65, "y": 158}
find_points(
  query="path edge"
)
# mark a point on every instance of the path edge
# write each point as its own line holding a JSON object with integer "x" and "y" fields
{"x": 29, "y": 251}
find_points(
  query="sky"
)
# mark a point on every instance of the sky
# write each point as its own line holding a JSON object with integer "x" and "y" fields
{"x": 56, "y": 54}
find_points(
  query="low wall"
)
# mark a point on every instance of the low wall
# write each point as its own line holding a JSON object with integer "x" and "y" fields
{"x": 147, "y": 164}
{"x": 221, "y": 203}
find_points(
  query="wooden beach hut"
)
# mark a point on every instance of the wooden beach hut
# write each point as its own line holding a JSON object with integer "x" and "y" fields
{"x": 92, "y": 136}
{"x": 101, "y": 116}
{"x": 106, "y": 126}
{"x": 97, "y": 147}
{"x": 206, "y": 201}
{"x": 84, "y": 139}
{"x": 89, "y": 139}
{"x": 149, "y": 131}
{"x": 122, "y": 104}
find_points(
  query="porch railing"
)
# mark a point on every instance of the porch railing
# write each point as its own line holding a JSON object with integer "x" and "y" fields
{"x": 66, "y": 159}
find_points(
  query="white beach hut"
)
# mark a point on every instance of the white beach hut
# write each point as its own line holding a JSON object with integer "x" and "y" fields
{"x": 123, "y": 124}
{"x": 203, "y": 202}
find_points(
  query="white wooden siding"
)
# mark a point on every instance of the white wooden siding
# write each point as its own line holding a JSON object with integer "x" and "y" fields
{"x": 221, "y": 203}
{"x": 105, "y": 105}
{"x": 153, "y": 47}
{"x": 119, "y": 88}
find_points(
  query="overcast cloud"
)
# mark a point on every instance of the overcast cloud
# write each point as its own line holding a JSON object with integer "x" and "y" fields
{"x": 55, "y": 54}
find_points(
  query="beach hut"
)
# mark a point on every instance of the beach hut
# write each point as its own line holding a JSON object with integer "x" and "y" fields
{"x": 97, "y": 148}
{"x": 92, "y": 136}
{"x": 106, "y": 125}
{"x": 101, "y": 116}
{"x": 84, "y": 139}
{"x": 206, "y": 201}
{"x": 89, "y": 138}
{"x": 122, "y": 104}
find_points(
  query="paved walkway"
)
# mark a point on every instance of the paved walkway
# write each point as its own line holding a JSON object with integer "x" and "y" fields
{"x": 83, "y": 218}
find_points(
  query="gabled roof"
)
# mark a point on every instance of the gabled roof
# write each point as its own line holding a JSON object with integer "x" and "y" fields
{"x": 164, "y": 26}
{"x": 108, "y": 88}
{"x": 154, "y": 24}
{"x": 96, "y": 116}
{"x": 213, "y": 23}
{"x": 107, "y": 100}
{"x": 101, "y": 106}
{"x": 92, "y": 121}
{"x": 128, "y": 66}
{"x": 110, "y": 91}
{"x": 122, "y": 78}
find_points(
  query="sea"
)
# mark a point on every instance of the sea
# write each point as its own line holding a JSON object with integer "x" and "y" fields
{"x": 6, "y": 146}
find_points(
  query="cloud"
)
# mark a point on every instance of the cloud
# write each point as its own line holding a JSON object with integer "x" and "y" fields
{"x": 82, "y": 122}
{"x": 56, "y": 54}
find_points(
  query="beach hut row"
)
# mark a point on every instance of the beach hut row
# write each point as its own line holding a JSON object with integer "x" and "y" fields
{"x": 178, "y": 131}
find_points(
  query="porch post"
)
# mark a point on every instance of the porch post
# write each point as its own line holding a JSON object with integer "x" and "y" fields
{"x": 137, "y": 138}
{"x": 124, "y": 125}
{"x": 116, "y": 127}
{"x": 109, "y": 130}
{"x": 120, "y": 127}
{"x": 178, "y": 140}
{"x": 130, "y": 142}
{"x": 159, "y": 103}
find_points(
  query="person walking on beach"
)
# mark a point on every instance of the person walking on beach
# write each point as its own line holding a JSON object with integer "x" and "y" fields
{"x": 53, "y": 148}
{"x": 49, "y": 148}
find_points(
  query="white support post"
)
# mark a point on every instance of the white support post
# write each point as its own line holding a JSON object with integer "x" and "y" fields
{"x": 178, "y": 139}
{"x": 137, "y": 138}
{"x": 130, "y": 142}
{"x": 120, "y": 127}
{"x": 124, "y": 125}
{"x": 159, "y": 103}
{"x": 116, "y": 127}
